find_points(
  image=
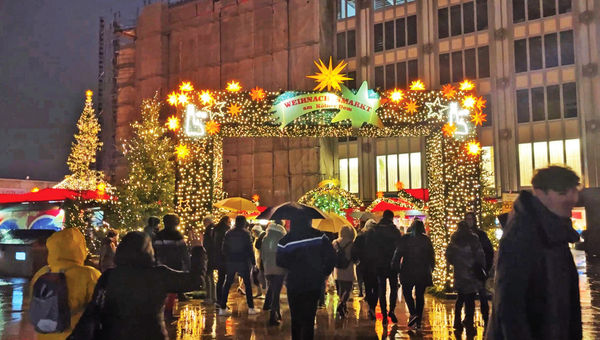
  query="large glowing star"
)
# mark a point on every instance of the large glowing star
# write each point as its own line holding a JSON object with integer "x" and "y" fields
{"x": 329, "y": 77}
{"x": 234, "y": 109}
{"x": 473, "y": 148}
{"x": 173, "y": 123}
{"x": 213, "y": 127}
{"x": 206, "y": 97}
{"x": 449, "y": 91}
{"x": 478, "y": 118}
{"x": 360, "y": 108}
{"x": 182, "y": 151}
{"x": 186, "y": 87}
{"x": 449, "y": 129}
{"x": 257, "y": 94}
{"x": 417, "y": 85}
{"x": 233, "y": 86}
{"x": 411, "y": 107}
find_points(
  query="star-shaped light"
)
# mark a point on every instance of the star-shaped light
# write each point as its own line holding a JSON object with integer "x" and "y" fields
{"x": 396, "y": 95}
{"x": 417, "y": 85}
{"x": 399, "y": 185}
{"x": 88, "y": 96}
{"x": 257, "y": 94}
{"x": 478, "y": 118}
{"x": 101, "y": 187}
{"x": 173, "y": 123}
{"x": 449, "y": 129}
{"x": 436, "y": 109}
{"x": 364, "y": 112}
{"x": 233, "y": 86}
{"x": 206, "y": 97}
{"x": 469, "y": 102}
{"x": 182, "y": 151}
{"x": 172, "y": 98}
{"x": 473, "y": 148}
{"x": 480, "y": 103}
{"x": 380, "y": 194}
{"x": 466, "y": 85}
{"x": 449, "y": 91}
{"x": 255, "y": 198}
{"x": 411, "y": 107}
{"x": 182, "y": 99}
{"x": 212, "y": 127}
{"x": 234, "y": 109}
{"x": 329, "y": 77}
{"x": 186, "y": 87}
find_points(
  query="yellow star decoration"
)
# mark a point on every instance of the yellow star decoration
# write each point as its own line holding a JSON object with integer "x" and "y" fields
{"x": 417, "y": 85}
{"x": 213, "y": 127}
{"x": 466, "y": 85}
{"x": 172, "y": 99}
{"x": 233, "y": 86}
{"x": 234, "y": 109}
{"x": 449, "y": 129}
{"x": 449, "y": 91}
{"x": 478, "y": 118}
{"x": 255, "y": 198}
{"x": 186, "y": 87}
{"x": 411, "y": 107}
{"x": 396, "y": 96}
{"x": 173, "y": 123}
{"x": 182, "y": 99}
{"x": 380, "y": 194}
{"x": 88, "y": 96}
{"x": 329, "y": 77}
{"x": 480, "y": 103}
{"x": 473, "y": 148}
{"x": 469, "y": 102}
{"x": 182, "y": 151}
{"x": 257, "y": 94}
{"x": 206, "y": 97}
{"x": 399, "y": 185}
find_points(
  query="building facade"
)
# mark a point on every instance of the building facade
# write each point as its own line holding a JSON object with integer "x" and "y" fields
{"x": 534, "y": 61}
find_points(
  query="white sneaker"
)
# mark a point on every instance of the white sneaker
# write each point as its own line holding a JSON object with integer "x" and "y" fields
{"x": 224, "y": 312}
{"x": 253, "y": 311}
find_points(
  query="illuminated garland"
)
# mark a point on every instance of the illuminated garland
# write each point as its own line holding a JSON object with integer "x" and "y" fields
{"x": 447, "y": 118}
{"x": 329, "y": 197}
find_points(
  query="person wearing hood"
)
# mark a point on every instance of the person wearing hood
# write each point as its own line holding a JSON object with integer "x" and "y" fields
{"x": 309, "y": 258}
{"x": 464, "y": 252}
{"x": 365, "y": 268}
{"x": 536, "y": 281}
{"x": 136, "y": 289}
{"x": 152, "y": 227}
{"x": 239, "y": 256}
{"x": 414, "y": 258}
{"x": 107, "y": 250}
{"x": 344, "y": 277}
{"x": 66, "y": 252}
{"x": 273, "y": 273}
{"x": 381, "y": 242}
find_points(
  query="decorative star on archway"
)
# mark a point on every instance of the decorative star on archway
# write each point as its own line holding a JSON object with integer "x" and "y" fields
{"x": 361, "y": 108}
{"x": 436, "y": 109}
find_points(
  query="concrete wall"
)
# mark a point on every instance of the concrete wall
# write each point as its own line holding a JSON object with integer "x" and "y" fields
{"x": 266, "y": 43}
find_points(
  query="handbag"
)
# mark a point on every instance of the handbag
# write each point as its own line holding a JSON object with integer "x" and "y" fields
{"x": 89, "y": 325}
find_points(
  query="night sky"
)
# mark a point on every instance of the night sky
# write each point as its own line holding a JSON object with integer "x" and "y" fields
{"x": 49, "y": 57}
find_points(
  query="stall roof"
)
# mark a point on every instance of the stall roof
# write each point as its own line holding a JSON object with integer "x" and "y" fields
{"x": 53, "y": 194}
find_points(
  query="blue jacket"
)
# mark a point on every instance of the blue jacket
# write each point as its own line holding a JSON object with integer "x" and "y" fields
{"x": 237, "y": 246}
{"x": 308, "y": 256}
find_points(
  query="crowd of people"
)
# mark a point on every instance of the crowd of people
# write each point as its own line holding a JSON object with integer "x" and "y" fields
{"x": 536, "y": 295}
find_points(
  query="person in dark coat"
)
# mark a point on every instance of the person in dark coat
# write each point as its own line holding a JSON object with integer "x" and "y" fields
{"x": 239, "y": 256}
{"x": 381, "y": 242}
{"x": 488, "y": 251}
{"x": 169, "y": 245}
{"x": 309, "y": 257}
{"x": 365, "y": 268}
{"x": 465, "y": 254}
{"x": 152, "y": 227}
{"x": 537, "y": 286}
{"x": 136, "y": 290}
{"x": 208, "y": 244}
{"x": 415, "y": 259}
{"x": 107, "y": 250}
{"x": 216, "y": 260}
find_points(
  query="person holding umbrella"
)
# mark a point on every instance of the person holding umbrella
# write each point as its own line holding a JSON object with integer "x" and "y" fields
{"x": 309, "y": 257}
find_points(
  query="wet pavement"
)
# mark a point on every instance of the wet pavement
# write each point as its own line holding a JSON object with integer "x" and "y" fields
{"x": 199, "y": 320}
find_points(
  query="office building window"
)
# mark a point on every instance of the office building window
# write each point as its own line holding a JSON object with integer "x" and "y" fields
{"x": 476, "y": 65}
{"x": 351, "y": 83}
{"x": 534, "y": 9}
{"x": 379, "y": 80}
{"x": 462, "y": 19}
{"x": 544, "y": 55}
{"x": 346, "y": 44}
{"x": 381, "y": 4}
{"x": 444, "y": 68}
{"x": 546, "y": 103}
{"x": 541, "y": 154}
{"x": 404, "y": 167}
{"x": 394, "y": 34}
{"x": 457, "y": 67}
{"x": 396, "y": 75}
{"x": 346, "y": 8}
{"x": 349, "y": 174}
{"x": 483, "y": 64}
{"x": 487, "y": 163}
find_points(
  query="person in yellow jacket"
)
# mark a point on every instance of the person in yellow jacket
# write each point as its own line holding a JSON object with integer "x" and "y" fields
{"x": 67, "y": 251}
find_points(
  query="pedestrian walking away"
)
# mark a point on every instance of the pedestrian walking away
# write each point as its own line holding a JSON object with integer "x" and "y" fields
{"x": 273, "y": 273}
{"x": 536, "y": 283}
{"x": 344, "y": 268}
{"x": 366, "y": 267}
{"x": 239, "y": 257}
{"x": 108, "y": 249}
{"x": 414, "y": 258}
{"x": 208, "y": 242}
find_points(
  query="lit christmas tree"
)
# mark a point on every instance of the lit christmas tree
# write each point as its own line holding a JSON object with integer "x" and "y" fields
{"x": 149, "y": 187}
{"x": 329, "y": 197}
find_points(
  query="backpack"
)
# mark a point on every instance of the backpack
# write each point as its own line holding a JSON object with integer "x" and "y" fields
{"x": 341, "y": 261}
{"x": 49, "y": 310}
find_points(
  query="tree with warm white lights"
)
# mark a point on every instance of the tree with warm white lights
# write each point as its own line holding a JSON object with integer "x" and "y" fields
{"x": 149, "y": 187}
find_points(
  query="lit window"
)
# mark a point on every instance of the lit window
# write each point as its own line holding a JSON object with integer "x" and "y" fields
{"x": 349, "y": 174}
{"x": 20, "y": 256}
{"x": 541, "y": 154}
{"x": 392, "y": 169}
{"x": 525, "y": 164}
{"x": 573, "y": 152}
{"x": 487, "y": 159}
{"x": 405, "y": 167}
{"x": 415, "y": 170}
{"x": 344, "y": 173}
{"x": 381, "y": 173}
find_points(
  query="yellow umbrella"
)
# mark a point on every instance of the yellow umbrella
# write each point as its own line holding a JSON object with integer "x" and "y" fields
{"x": 236, "y": 204}
{"x": 333, "y": 223}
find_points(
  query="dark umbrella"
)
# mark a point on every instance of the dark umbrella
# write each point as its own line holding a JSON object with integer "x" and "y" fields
{"x": 290, "y": 211}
